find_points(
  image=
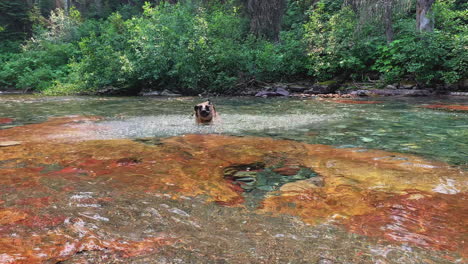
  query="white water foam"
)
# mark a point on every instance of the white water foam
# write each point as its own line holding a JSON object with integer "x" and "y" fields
{"x": 174, "y": 125}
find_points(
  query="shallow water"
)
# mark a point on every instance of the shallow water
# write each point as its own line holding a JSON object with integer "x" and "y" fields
{"x": 135, "y": 180}
{"x": 399, "y": 125}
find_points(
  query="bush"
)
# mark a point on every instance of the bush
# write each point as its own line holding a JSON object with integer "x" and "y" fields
{"x": 429, "y": 58}
{"x": 335, "y": 47}
{"x": 205, "y": 46}
{"x": 43, "y": 59}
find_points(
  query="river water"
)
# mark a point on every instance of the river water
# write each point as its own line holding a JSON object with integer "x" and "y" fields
{"x": 136, "y": 180}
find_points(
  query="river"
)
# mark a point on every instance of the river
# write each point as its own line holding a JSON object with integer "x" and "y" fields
{"x": 136, "y": 180}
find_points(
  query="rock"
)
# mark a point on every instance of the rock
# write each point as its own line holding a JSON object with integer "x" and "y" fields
{"x": 366, "y": 139}
{"x": 249, "y": 92}
{"x": 107, "y": 90}
{"x": 407, "y": 85}
{"x": 280, "y": 85}
{"x": 452, "y": 93}
{"x": 323, "y": 87}
{"x": 325, "y": 261}
{"x": 318, "y": 89}
{"x": 297, "y": 88}
{"x": 419, "y": 93}
{"x": 277, "y": 92}
{"x": 360, "y": 93}
{"x": 391, "y": 92}
{"x": 14, "y": 92}
{"x": 151, "y": 93}
{"x": 9, "y": 143}
{"x": 415, "y": 92}
{"x": 463, "y": 84}
{"x": 264, "y": 94}
{"x": 179, "y": 212}
{"x": 282, "y": 92}
{"x": 169, "y": 93}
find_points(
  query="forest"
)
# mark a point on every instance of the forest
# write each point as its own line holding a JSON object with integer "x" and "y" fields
{"x": 63, "y": 47}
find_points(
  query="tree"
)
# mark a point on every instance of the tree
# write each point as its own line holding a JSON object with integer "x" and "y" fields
{"x": 385, "y": 9}
{"x": 380, "y": 10}
{"x": 266, "y": 17}
{"x": 423, "y": 21}
{"x": 14, "y": 18}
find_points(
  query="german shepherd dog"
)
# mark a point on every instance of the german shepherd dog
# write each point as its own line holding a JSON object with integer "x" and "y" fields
{"x": 205, "y": 113}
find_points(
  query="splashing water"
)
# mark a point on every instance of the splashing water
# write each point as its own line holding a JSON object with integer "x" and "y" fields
{"x": 234, "y": 124}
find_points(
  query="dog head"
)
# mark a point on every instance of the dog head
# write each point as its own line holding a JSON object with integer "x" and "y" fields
{"x": 205, "y": 112}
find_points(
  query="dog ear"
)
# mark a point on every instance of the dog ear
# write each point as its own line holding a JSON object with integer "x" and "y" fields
{"x": 196, "y": 107}
{"x": 209, "y": 101}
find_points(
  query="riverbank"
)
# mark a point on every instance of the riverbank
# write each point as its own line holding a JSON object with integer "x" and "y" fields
{"x": 329, "y": 89}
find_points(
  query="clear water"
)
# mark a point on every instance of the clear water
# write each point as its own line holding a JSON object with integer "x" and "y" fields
{"x": 120, "y": 201}
{"x": 398, "y": 125}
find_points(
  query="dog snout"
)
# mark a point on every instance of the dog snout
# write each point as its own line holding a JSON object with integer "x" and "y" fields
{"x": 205, "y": 112}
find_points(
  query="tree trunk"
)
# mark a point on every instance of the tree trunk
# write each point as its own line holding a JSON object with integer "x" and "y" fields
{"x": 423, "y": 21}
{"x": 98, "y": 5}
{"x": 388, "y": 21}
{"x": 266, "y": 17}
{"x": 63, "y": 4}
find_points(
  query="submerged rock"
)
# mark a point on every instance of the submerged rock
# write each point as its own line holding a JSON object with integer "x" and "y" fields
{"x": 368, "y": 192}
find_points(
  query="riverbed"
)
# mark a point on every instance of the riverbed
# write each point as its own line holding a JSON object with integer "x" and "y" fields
{"x": 277, "y": 180}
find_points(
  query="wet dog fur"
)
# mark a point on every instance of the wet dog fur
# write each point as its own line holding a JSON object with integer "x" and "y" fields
{"x": 205, "y": 113}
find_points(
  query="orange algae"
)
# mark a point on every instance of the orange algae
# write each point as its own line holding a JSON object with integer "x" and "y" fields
{"x": 447, "y": 107}
{"x": 8, "y": 216}
{"x": 6, "y": 120}
{"x": 55, "y": 129}
{"x": 428, "y": 220}
{"x": 359, "y": 186}
{"x": 59, "y": 246}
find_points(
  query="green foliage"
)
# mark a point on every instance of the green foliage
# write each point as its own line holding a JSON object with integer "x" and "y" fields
{"x": 186, "y": 47}
{"x": 104, "y": 60}
{"x": 36, "y": 68}
{"x": 339, "y": 46}
{"x": 433, "y": 57}
{"x": 334, "y": 45}
{"x": 206, "y": 46}
{"x": 43, "y": 59}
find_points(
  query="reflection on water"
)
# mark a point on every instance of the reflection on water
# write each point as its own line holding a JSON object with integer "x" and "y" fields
{"x": 142, "y": 183}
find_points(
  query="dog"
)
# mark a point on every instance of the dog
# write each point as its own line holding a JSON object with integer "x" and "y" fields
{"x": 205, "y": 113}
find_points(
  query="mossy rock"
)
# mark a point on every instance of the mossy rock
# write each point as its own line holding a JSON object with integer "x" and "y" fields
{"x": 329, "y": 83}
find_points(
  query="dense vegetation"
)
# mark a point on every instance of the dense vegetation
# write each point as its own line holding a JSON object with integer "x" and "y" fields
{"x": 221, "y": 46}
